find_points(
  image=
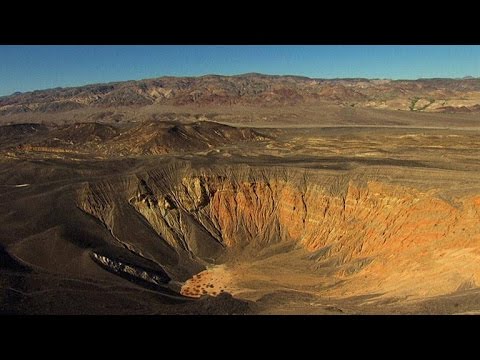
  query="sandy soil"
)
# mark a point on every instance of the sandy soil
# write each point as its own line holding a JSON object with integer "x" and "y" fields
{"x": 213, "y": 282}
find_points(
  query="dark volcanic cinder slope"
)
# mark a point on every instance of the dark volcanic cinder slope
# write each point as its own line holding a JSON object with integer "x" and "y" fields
{"x": 134, "y": 139}
{"x": 55, "y": 253}
{"x": 14, "y": 134}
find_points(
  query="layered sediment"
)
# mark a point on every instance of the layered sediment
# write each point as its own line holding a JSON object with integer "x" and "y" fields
{"x": 376, "y": 237}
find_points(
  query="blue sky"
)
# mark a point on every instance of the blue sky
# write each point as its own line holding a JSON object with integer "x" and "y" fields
{"x": 25, "y": 68}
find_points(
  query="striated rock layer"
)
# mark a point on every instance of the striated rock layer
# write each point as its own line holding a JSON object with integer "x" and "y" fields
{"x": 377, "y": 237}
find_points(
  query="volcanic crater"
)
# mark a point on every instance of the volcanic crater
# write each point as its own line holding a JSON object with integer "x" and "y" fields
{"x": 311, "y": 204}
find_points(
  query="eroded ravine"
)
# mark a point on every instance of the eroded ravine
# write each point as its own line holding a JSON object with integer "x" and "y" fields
{"x": 360, "y": 236}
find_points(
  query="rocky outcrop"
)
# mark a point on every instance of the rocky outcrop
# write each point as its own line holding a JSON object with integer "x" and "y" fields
{"x": 47, "y": 149}
{"x": 156, "y": 278}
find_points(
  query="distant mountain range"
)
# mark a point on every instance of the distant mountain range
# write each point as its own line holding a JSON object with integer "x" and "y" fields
{"x": 438, "y": 95}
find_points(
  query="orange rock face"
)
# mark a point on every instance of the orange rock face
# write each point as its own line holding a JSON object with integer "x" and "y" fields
{"x": 400, "y": 230}
{"x": 381, "y": 237}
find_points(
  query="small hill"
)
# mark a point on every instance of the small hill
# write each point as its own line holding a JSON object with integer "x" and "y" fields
{"x": 145, "y": 138}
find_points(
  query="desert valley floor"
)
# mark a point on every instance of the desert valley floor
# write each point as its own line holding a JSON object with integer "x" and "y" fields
{"x": 346, "y": 206}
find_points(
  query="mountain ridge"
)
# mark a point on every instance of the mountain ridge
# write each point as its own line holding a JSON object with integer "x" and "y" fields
{"x": 249, "y": 74}
{"x": 439, "y": 95}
